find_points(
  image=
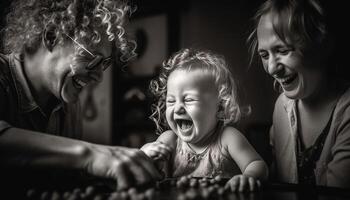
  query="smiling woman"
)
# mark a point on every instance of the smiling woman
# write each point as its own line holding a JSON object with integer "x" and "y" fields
{"x": 55, "y": 49}
{"x": 310, "y": 134}
{"x": 86, "y": 67}
{"x": 296, "y": 80}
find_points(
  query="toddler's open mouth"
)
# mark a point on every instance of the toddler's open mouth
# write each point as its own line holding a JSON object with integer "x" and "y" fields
{"x": 184, "y": 124}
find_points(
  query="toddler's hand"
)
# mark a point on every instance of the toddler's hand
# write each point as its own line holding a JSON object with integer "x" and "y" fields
{"x": 157, "y": 150}
{"x": 243, "y": 183}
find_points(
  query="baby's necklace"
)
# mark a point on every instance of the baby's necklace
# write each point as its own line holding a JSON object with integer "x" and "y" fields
{"x": 194, "y": 151}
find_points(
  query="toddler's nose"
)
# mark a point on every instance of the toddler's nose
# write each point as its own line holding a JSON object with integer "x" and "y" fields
{"x": 179, "y": 108}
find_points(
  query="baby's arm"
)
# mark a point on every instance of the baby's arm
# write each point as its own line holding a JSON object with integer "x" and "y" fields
{"x": 162, "y": 147}
{"x": 251, "y": 164}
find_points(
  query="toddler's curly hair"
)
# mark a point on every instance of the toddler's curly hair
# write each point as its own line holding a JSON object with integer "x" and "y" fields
{"x": 83, "y": 20}
{"x": 191, "y": 59}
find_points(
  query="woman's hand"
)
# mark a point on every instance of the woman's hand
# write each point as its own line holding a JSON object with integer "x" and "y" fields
{"x": 157, "y": 150}
{"x": 127, "y": 166}
{"x": 243, "y": 183}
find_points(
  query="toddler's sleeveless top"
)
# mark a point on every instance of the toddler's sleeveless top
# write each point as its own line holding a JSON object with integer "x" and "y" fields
{"x": 211, "y": 162}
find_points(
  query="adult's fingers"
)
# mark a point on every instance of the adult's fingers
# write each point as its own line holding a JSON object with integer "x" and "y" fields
{"x": 143, "y": 162}
{"x": 130, "y": 166}
{"x": 148, "y": 165}
{"x": 122, "y": 177}
{"x": 138, "y": 172}
{"x": 126, "y": 169}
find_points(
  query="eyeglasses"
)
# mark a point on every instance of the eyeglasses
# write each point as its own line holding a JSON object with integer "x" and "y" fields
{"x": 106, "y": 62}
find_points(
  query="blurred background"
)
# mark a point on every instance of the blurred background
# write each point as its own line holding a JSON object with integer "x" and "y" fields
{"x": 117, "y": 111}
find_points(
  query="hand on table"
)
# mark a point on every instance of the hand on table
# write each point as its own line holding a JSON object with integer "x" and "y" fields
{"x": 126, "y": 165}
{"x": 241, "y": 183}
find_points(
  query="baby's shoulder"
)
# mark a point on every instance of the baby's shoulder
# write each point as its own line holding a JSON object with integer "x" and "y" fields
{"x": 231, "y": 135}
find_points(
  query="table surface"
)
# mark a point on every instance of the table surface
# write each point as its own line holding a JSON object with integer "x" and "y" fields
{"x": 73, "y": 188}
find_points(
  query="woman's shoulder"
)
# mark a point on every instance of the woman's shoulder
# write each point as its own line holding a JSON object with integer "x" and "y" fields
{"x": 3, "y": 59}
{"x": 341, "y": 115}
{"x": 343, "y": 104}
{"x": 4, "y": 65}
{"x": 345, "y": 97}
{"x": 6, "y": 79}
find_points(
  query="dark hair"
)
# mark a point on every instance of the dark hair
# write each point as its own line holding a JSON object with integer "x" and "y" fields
{"x": 300, "y": 23}
{"x": 80, "y": 19}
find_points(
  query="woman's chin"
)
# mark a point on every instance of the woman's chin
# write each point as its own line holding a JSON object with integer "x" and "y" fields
{"x": 295, "y": 93}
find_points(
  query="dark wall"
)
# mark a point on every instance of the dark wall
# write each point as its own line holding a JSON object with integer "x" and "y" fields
{"x": 223, "y": 26}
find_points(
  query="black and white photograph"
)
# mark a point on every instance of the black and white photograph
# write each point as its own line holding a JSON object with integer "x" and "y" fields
{"x": 174, "y": 100}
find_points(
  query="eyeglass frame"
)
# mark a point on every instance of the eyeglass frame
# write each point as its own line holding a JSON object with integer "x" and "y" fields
{"x": 104, "y": 60}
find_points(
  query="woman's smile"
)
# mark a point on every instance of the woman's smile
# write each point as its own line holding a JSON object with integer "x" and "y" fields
{"x": 289, "y": 82}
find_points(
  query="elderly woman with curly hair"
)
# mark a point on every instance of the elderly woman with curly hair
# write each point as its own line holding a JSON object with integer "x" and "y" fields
{"x": 53, "y": 49}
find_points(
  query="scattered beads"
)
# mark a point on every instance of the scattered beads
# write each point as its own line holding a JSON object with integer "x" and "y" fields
{"x": 186, "y": 187}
